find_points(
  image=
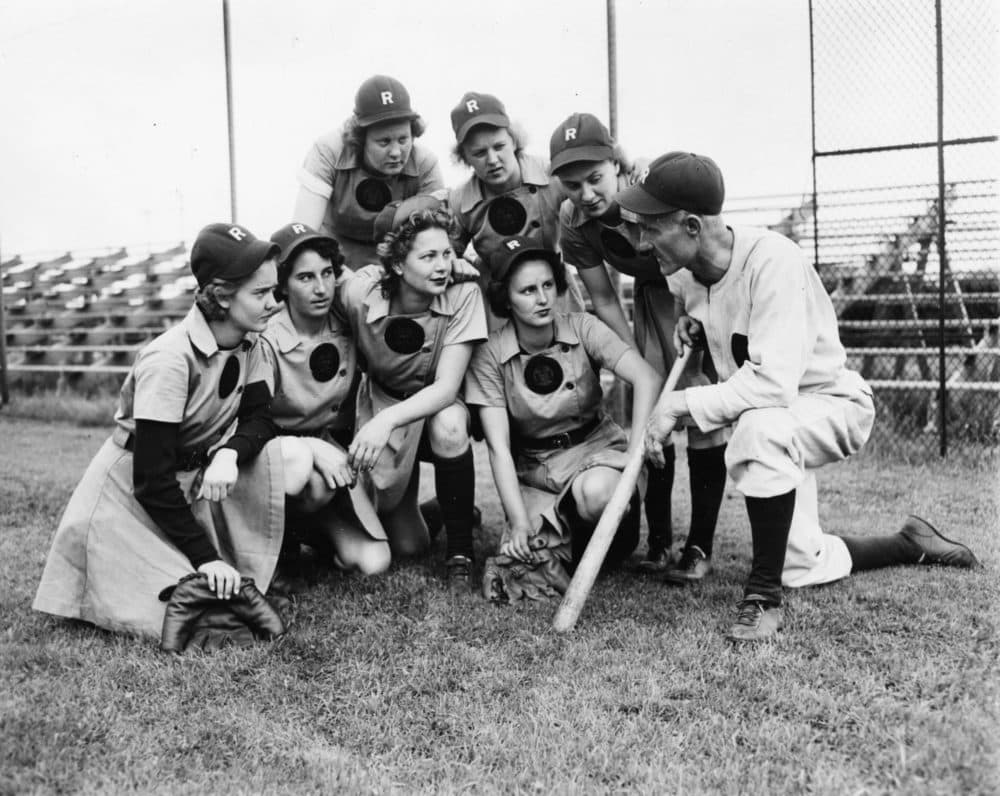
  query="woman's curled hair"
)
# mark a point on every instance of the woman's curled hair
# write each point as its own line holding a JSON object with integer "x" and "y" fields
{"x": 328, "y": 249}
{"x": 496, "y": 290}
{"x": 396, "y": 245}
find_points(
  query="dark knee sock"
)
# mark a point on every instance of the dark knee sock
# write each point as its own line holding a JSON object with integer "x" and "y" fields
{"x": 455, "y": 484}
{"x": 770, "y": 522}
{"x": 625, "y": 540}
{"x": 707, "y": 471}
{"x": 875, "y": 552}
{"x": 659, "y": 486}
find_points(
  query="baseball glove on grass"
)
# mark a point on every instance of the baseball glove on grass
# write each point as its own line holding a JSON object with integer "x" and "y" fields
{"x": 196, "y": 619}
{"x": 508, "y": 580}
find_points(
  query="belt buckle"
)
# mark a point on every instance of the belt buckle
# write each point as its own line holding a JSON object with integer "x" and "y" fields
{"x": 562, "y": 440}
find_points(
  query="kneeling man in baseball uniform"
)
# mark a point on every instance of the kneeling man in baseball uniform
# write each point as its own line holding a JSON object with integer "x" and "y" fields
{"x": 761, "y": 309}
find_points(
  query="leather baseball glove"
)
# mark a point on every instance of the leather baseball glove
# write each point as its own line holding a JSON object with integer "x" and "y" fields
{"x": 508, "y": 580}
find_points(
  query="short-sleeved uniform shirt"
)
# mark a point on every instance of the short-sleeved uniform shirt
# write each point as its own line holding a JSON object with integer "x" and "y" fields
{"x": 314, "y": 378}
{"x": 565, "y": 398}
{"x": 183, "y": 377}
{"x": 400, "y": 350}
{"x": 355, "y": 195}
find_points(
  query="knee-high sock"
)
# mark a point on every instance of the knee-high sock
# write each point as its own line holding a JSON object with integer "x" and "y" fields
{"x": 659, "y": 486}
{"x": 875, "y": 552}
{"x": 707, "y": 471}
{"x": 770, "y": 522}
{"x": 455, "y": 484}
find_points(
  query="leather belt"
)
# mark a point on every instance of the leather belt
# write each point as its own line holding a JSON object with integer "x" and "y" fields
{"x": 558, "y": 441}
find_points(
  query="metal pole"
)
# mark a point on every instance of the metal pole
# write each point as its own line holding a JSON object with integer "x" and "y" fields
{"x": 4, "y": 394}
{"x": 229, "y": 110}
{"x": 612, "y": 72}
{"x": 812, "y": 111}
{"x": 942, "y": 248}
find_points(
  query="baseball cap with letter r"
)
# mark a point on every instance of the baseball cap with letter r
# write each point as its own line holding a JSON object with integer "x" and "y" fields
{"x": 475, "y": 108}
{"x": 676, "y": 181}
{"x": 228, "y": 251}
{"x": 580, "y": 138}
{"x": 382, "y": 99}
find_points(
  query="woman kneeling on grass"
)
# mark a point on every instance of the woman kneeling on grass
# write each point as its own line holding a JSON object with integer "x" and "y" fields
{"x": 416, "y": 331}
{"x": 556, "y": 456}
{"x": 190, "y": 479}
{"x": 314, "y": 362}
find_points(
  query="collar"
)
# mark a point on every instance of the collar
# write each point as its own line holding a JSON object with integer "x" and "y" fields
{"x": 352, "y": 158}
{"x": 378, "y": 305}
{"x": 577, "y": 217}
{"x": 510, "y": 347}
{"x": 284, "y": 333}
{"x": 534, "y": 171}
{"x": 199, "y": 332}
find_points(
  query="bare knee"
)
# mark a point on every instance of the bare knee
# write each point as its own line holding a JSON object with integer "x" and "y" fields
{"x": 373, "y": 559}
{"x": 448, "y": 431}
{"x": 592, "y": 490}
{"x": 297, "y": 463}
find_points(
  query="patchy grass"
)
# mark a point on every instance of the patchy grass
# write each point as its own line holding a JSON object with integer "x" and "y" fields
{"x": 884, "y": 683}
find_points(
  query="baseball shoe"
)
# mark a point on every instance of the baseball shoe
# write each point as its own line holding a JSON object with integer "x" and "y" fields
{"x": 459, "y": 575}
{"x": 430, "y": 510}
{"x": 935, "y": 548}
{"x": 756, "y": 620}
{"x": 656, "y": 560}
{"x": 693, "y": 567}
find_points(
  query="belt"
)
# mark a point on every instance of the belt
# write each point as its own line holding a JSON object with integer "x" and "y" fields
{"x": 186, "y": 460}
{"x": 558, "y": 441}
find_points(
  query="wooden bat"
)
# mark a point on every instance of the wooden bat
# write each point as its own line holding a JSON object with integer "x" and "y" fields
{"x": 597, "y": 548}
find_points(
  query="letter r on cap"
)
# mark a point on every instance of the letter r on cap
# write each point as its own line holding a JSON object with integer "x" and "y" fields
{"x": 513, "y": 244}
{"x": 644, "y": 175}
{"x": 472, "y": 106}
{"x": 237, "y": 233}
{"x": 387, "y": 98}
{"x": 298, "y": 229}
{"x": 570, "y": 134}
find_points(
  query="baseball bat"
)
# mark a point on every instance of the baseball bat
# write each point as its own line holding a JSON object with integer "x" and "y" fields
{"x": 597, "y": 548}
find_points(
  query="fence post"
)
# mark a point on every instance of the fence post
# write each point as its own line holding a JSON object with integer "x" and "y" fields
{"x": 941, "y": 239}
{"x": 4, "y": 394}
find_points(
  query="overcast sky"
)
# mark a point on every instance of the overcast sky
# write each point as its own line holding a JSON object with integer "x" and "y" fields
{"x": 114, "y": 114}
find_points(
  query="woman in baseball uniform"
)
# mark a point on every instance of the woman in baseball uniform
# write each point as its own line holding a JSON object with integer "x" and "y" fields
{"x": 191, "y": 479}
{"x": 349, "y": 175}
{"x": 591, "y": 169}
{"x": 509, "y": 192}
{"x": 415, "y": 331}
{"x": 314, "y": 363}
{"x": 556, "y": 456}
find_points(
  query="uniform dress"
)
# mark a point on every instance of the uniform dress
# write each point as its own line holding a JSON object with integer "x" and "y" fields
{"x": 562, "y": 400}
{"x": 400, "y": 353}
{"x": 109, "y": 559}
{"x": 538, "y": 198}
{"x": 314, "y": 383}
{"x": 772, "y": 331}
{"x": 336, "y": 171}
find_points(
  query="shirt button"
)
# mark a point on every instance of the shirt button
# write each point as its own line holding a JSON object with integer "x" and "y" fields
{"x": 532, "y": 189}
{"x": 335, "y": 408}
{"x": 342, "y": 372}
{"x": 565, "y": 348}
{"x": 426, "y": 349}
{"x": 536, "y": 224}
{"x": 569, "y": 385}
{"x": 239, "y": 389}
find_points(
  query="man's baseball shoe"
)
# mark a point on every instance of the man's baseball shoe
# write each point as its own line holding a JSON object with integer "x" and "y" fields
{"x": 656, "y": 560}
{"x": 693, "y": 567}
{"x": 459, "y": 575}
{"x": 756, "y": 620}
{"x": 935, "y": 548}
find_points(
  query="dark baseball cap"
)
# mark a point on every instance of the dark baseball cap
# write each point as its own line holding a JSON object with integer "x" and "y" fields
{"x": 382, "y": 99}
{"x": 475, "y": 108}
{"x": 676, "y": 181}
{"x": 393, "y": 214}
{"x": 513, "y": 250}
{"x": 580, "y": 138}
{"x": 293, "y": 235}
{"x": 228, "y": 251}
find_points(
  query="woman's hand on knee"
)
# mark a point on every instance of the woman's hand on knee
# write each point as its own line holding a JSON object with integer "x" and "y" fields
{"x": 220, "y": 476}
{"x": 332, "y": 463}
{"x": 223, "y": 579}
{"x": 369, "y": 443}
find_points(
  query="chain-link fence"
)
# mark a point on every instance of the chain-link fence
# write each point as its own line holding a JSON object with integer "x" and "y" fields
{"x": 903, "y": 221}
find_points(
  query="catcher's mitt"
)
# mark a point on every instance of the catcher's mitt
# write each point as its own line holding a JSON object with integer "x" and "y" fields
{"x": 197, "y": 619}
{"x": 508, "y": 580}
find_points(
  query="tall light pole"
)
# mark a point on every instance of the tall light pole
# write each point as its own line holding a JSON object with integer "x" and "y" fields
{"x": 612, "y": 72}
{"x": 229, "y": 110}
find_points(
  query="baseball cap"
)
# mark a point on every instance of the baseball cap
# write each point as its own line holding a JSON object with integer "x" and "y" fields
{"x": 514, "y": 249}
{"x": 382, "y": 99}
{"x": 581, "y": 137}
{"x": 475, "y": 108}
{"x": 293, "y": 235}
{"x": 676, "y": 181}
{"x": 392, "y": 215}
{"x": 228, "y": 251}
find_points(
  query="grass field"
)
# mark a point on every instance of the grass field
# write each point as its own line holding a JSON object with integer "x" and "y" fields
{"x": 884, "y": 683}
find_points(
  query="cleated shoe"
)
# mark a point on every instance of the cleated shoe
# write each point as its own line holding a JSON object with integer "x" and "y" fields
{"x": 656, "y": 560}
{"x": 756, "y": 620}
{"x": 934, "y": 547}
{"x": 693, "y": 567}
{"x": 459, "y": 575}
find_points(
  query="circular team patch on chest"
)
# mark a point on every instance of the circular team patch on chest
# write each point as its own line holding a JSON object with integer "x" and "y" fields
{"x": 617, "y": 244}
{"x": 507, "y": 215}
{"x": 372, "y": 194}
{"x": 543, "y": 374}
{"x": 404, "y": 336}
{"x": 230, "y": 375}
{"x": 324, "y": 361}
